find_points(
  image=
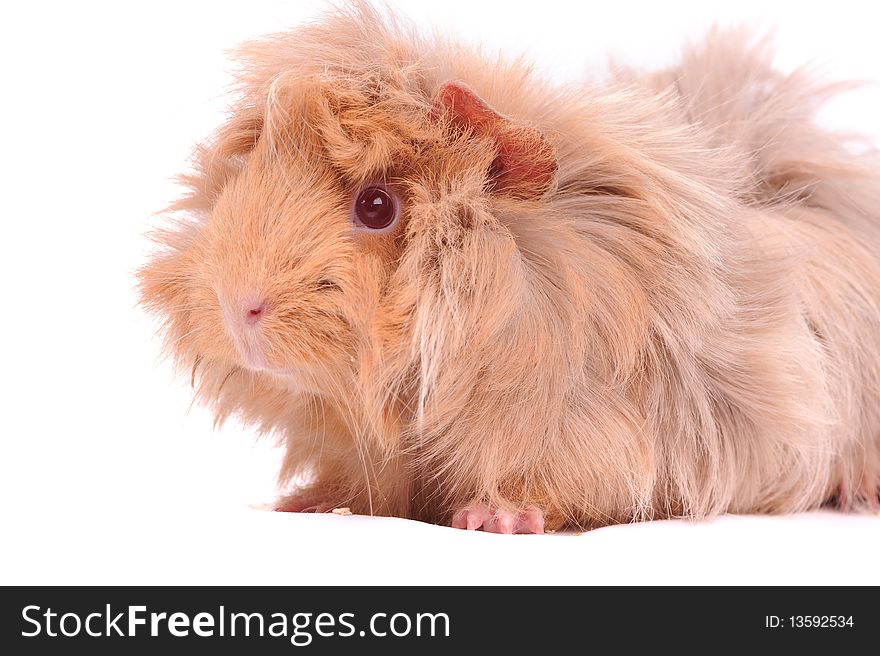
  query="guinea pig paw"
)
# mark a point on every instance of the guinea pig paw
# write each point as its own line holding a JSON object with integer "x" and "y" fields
{"x": 870, "y": 490}
{"x": 303, "y": 504}
{"x": 479, "y": 515}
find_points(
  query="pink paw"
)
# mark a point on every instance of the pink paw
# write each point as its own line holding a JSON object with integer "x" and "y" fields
{"x": 302, "y": 504}
{"x": 864, "y": 497}
{"x": 479, "y": 515}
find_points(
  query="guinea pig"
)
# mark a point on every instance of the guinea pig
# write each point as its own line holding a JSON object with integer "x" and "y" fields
{"x": 461, "y": 294}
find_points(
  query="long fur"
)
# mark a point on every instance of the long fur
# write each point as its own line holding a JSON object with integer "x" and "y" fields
{"x": 687, "y": 323}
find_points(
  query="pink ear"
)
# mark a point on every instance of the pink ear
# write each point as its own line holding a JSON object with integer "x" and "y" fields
{"x": 526, "y": 164}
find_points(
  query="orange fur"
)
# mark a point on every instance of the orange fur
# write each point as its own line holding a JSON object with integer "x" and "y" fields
{"x": 685, "y": 323}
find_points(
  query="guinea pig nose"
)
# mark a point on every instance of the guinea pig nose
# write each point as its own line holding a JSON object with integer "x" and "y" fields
{"x": 254, "y": 311}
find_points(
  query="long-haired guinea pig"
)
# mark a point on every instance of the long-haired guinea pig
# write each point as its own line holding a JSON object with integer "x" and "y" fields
{"x": 461, "y": 294}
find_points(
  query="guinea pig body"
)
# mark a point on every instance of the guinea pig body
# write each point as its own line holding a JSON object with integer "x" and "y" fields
{"x": 656, "y": 298}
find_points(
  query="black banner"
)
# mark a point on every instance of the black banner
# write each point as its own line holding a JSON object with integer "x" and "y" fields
{"x": 288, "y": 620}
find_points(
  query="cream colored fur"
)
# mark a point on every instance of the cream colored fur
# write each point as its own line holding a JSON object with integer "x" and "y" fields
{"x": 686, "y": 323}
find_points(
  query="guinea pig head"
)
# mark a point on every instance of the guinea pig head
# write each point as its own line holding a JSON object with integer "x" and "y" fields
{"x": 346, "y": 223}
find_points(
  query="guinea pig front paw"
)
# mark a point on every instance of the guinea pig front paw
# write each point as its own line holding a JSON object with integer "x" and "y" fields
{"x": 304, "y": 502}
{"x": 491, "y": 520}
{"x": 865, "y": 496}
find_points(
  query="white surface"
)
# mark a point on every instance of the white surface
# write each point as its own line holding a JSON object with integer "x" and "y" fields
{"x": 105, "y": 478}
{"x": 237, "y": 547}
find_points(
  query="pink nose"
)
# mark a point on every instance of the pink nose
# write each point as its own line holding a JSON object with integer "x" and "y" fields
{"x": 253, "y": 312}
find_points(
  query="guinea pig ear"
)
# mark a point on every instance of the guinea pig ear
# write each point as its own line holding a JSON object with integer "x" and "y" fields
{"x": 525, "y": 166}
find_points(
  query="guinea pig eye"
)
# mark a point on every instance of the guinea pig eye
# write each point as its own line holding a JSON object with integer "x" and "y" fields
{"x": 375, "y": 208}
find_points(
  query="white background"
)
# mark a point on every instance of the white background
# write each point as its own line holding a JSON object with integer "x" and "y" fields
{"x": 105, "y": 477}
